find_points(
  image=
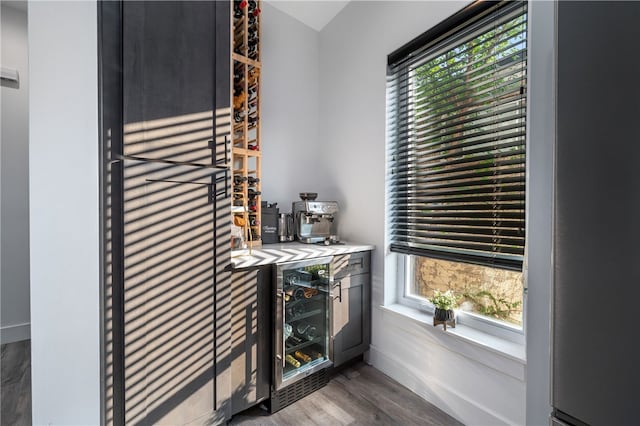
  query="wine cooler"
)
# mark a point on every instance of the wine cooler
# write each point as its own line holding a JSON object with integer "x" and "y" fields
{"x": 302, "y": 343}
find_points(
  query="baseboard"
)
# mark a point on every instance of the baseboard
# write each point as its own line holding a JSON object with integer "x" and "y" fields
{"x": 442, "y": 396}
{"x": 15, "y": 333}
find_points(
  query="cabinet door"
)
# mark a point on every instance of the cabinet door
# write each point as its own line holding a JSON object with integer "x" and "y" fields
{"x": 250, "y": 337}
{"x": 351, "y": 264}
{"x": 351, "y": 317}
{"x": 169, "y": 79}
{"x": 171, "y": 271}
{"x": 164, "y": 94}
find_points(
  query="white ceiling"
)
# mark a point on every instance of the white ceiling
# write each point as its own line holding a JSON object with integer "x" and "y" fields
{"x": 313, "y": 13}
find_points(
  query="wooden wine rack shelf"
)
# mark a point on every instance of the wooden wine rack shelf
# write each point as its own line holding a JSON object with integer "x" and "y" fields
{"x": 246, "y": 140}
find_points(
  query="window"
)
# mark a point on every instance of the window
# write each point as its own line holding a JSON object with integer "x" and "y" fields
{"x": 456, "y": 109}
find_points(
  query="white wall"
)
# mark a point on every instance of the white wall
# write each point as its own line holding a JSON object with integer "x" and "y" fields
{"x": 14, "y": 180}
{"x": 290, "y": 108}
{"x": 64, "y": 213}
{"x": 353, "y": 60}
{"x": 482, "y": 388}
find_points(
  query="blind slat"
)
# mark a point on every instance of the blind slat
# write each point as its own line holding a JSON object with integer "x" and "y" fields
{"x": 456, "y": 125}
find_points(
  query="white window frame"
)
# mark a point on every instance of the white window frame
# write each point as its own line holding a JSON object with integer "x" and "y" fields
{"x": 479, "y": 322}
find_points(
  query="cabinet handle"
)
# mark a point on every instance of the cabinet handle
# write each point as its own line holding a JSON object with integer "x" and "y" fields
{"x": 339, "y": 296}
{"x": 212, "y": 146}
{"x": 226, "y": 150}
{"x": 358, "y": 263}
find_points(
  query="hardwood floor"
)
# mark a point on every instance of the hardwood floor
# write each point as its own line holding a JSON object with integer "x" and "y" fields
{"x": 359, "y": 395}
{"x": 15, "y": 383}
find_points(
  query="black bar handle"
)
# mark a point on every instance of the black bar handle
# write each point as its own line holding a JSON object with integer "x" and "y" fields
{"x": 339, "y": 296}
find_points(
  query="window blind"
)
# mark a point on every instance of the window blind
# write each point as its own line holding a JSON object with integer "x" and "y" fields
{"x": 456, "y": 121}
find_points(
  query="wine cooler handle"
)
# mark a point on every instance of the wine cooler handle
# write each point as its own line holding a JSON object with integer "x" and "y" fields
{"x": 280, "y": 297}
{"x": 339, "y": 296}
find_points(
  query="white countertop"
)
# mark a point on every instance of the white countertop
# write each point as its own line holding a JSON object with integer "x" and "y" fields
{"x": 287, "y": 252}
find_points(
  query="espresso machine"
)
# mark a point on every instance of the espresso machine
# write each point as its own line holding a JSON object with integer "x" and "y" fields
{"x": 315, "y": 221}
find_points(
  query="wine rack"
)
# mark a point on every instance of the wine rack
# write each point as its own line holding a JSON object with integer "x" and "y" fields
{"x": 245, "y": 138}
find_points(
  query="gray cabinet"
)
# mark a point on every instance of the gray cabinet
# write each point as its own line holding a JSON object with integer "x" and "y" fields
{"x": 351, "y": 306}
{"x": 595, "y": 371}
{"x": 251, "y": 330}
{"x": 164, "y": 114}
{"x": 253, "y": 324}
{"x": 175, "y": 79}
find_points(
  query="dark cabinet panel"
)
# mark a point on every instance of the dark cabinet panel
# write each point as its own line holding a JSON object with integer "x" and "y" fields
{"x": 169, "y": 292}
{"x": 251, "y": 336}
{"x": 596, "y": 209}
{"x": 170, "y": 71}
{"x": 164, "y": 104}
{"x": 351, "y": 309}
{"x": 351, "y": 264}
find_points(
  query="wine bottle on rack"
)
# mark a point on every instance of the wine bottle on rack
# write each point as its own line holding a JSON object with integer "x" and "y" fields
{"x": 252, "y": 193}
{"x": 298, "y": 293}
{"x": 253, "y": 221}
{"x": 310, "y": 292}
{"x": 239, "y": 179}
{"x": 306, "y": 331}
{"x": 302, "y": 356}
{"x": 291, "y": 360}
{"x": 238, "y": 100}
{"x": 253, "y": 147}
{"x": 252, "y": 121}
{"x": 238, "y": 116}
{"x": 295, "y": 339}
{"x": 316, "y": 354}
{"x": 254, "y": 73}
{"x": 252, "y": 180}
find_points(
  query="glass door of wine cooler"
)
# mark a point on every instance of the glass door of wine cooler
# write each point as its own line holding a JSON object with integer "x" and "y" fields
{"x": 302, "y": 333}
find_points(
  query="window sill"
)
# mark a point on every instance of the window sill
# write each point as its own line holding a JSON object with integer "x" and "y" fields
{"x": 505, "y": 348}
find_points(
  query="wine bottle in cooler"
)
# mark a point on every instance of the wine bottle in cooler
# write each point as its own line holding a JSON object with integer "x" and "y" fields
{"x": 291, "y": 360}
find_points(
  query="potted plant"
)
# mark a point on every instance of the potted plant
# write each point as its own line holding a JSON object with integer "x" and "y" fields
{"x": 444, "y": 303}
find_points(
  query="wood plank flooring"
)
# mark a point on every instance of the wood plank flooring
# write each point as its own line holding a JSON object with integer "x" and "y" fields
{"x": 15, "y": 383}
{"x": 359, "y": 395}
